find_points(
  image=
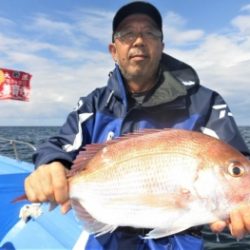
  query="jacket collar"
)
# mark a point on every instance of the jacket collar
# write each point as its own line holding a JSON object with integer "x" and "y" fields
{"x": 175, "y": 79}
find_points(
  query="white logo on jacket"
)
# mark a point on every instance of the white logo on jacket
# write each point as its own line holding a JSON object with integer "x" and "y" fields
{"x": 222, "y": 108}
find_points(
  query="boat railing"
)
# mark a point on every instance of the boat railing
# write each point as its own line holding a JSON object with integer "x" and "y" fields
{"x": 14, "y": 144}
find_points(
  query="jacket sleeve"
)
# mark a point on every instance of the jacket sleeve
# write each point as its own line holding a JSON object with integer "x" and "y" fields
{"x": 222, "y": 125}
{"x": 71, "y": 137}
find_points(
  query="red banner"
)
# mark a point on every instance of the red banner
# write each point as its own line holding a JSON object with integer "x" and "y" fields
{"x": 14, "y": 85}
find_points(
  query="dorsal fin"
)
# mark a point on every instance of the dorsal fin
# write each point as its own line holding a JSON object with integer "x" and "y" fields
{"x": 89, "y": 151}
{"x": 82, "y": 159}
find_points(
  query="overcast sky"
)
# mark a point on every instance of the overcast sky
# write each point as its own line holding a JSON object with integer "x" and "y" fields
{"x": 63, "y": 44}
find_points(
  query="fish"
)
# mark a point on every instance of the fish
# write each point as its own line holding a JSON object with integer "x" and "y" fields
{"x": 164, "y": 180}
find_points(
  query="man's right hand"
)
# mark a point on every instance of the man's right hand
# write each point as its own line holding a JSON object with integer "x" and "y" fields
{"x": 49, "y": 183}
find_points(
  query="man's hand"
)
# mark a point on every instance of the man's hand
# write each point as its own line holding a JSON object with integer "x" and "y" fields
{"x": 238, "y": 223}
{"x": 49, "y": 183}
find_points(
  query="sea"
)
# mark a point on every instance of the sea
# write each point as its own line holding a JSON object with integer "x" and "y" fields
{"x": 37, "y": 135}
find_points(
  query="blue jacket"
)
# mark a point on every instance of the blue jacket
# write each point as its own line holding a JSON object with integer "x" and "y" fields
{"x": 177, "y": 101}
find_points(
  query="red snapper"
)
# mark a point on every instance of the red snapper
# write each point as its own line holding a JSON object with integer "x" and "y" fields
{"x": 165, "y": 180}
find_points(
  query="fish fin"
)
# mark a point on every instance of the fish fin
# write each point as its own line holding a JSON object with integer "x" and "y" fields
{"x": 52, "y": 206}
{"x": 23, "y": 197}
{"x": 176, "y": 225}
{"x": 91, "y": 225}
{"x": 105, "y": 229}
{"x": 84, "y": 156}
{"x": 163, "y": 232}
{"x": 138, "y": 133}
{"x": 90, "y": 150}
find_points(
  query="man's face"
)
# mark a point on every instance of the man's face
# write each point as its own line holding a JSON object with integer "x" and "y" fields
{"x": 137, "y": 47}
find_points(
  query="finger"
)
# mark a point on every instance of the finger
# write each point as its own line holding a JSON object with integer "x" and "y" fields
{"x": 237, "y": 227}
{"x": 245, "y": 214}
{"x": 45, "y": 183}
{"x": 33, "y": 190}
{"x": 29, "y": 191}
{"x": 218, "y": 226}
{"x": 65, "y": 207}
{"x": 60, "y": 183}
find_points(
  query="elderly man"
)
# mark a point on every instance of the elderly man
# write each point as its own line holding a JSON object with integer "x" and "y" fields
{"x": 147, "y": 89}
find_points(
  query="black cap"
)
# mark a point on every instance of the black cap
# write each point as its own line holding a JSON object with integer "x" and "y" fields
{"x": 137, "y": 7}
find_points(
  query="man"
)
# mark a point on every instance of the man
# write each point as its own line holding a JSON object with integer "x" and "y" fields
{"x": 147, "y": 89}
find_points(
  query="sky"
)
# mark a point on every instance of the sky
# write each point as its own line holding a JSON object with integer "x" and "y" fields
{"x": 64, "y": 45}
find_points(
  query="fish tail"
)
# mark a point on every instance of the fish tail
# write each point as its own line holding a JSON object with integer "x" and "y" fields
{"x": 22, "y": 197}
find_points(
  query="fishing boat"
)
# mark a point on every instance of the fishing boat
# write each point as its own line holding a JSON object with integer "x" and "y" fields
{"x": 30, "y": 226}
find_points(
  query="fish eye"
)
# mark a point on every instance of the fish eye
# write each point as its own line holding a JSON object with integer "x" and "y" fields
{"x": 235, "y": 169}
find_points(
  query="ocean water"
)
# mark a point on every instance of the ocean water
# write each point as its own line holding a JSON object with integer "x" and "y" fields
{"x": 36, "y": 135}
{"x": 32, "y": 135}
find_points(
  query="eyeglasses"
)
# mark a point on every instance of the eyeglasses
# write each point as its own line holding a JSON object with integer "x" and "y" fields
{"x": 130, "y": 36}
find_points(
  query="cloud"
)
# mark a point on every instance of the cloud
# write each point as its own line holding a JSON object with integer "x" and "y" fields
{"x": 55, "y": 30}
{"x": 5, "y": 22}
{"x": 63, "y": 61}
{"x": 246, "y": 8}
{"x": 80, "y": 27}
{"x": 176, "y": 32}
{"x": 68, "y": 57}
{"x": 95, "y": 24}
{"x": 242, "y": 23}
{"x": 222, "y": 61}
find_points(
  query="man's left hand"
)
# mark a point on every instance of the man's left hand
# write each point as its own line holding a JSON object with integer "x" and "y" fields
{"x": 238, "y": 222}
